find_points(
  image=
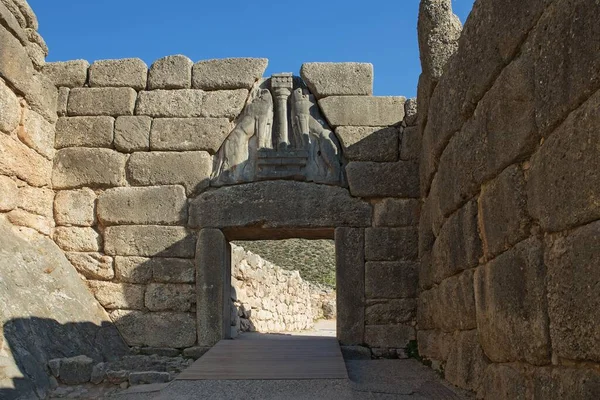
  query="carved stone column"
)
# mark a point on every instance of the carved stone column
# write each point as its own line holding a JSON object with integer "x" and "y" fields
{"x": 281, "y": 87}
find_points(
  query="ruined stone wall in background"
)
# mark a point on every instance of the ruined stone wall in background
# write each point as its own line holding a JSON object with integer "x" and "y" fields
{"x": 509, "y": 232}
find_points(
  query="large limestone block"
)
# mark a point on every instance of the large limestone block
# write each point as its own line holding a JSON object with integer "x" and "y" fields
{"x": 133, "y": 269}
{"x": 127, "y": 72}
{"x": 367, "y": 143}
{"x": 371, "y": 179}
{"x": 466, "y": 362}
{"x": 224, "y": 103}
{"x": 169, "y": 297}
{"x": 92, "y": 265}
{"x": 69, "y": 74}
{"x": 101, "y": 101}
{"x": 15, "y": 65}
{"x": 119, "y": 296}
{"x": 84, "y": 132}
{"x": 314, "y": 206}
{"x": 10, "y": 194}
{"x": 393, "y": 311}
{"x": 458, "y": 245}
{"x": 132, "y": 133}
{"x": 24, "y": 163}
{"x": 363, "y": 110}
{"x": 11, "y": 109}
{"x": 181, "y": 134}
{"x": 391, "y": 244}
{"x": 26, "y": 219}
{"x": 504, "y": 382}
{"x": 391, "y": 279}
{"x": 183, "y": 103}
{"x": 510, "y": 296}
{"x": 37, "y": 133}
{"x": 228, "y": 73}
{"x": 434, "y": 345}
{"x": 82, "y": 239}
{"x": 36, "y": 200}
{"x": 41, "y": 293}
{"x": 171, "y": 72}
{"x": 411, "y": 144}
{"x": 566, "y": 383}
{"x": 573, "y": 277}
{"x": 503, "y": 207}
{"x": 350, "y": 279}
{"x": 396, "y": 213}
{"x": 338, "y": 79}
{"x": 76, "y": 166}
{"x": 75, "y": 207}
{"x": 564, "y": 180}
{"x": 9, "y": 19}
{"x": 156, "y": 329}
{"x": 191, "y": 169}
{"x": 158, "y": 269}
{"x": 389, "y": 336}
{"x": 160, "y": 205}
{"x": 149, "y": 241}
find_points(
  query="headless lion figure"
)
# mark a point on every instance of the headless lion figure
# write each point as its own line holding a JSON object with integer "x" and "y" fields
{"x": 233, "y": 156}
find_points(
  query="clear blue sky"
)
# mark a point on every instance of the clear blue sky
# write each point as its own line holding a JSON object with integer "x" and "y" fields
{"x": 288, "y": 33}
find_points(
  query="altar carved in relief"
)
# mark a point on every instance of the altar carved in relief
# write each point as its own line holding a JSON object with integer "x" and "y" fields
{"x": 280, "y": 135}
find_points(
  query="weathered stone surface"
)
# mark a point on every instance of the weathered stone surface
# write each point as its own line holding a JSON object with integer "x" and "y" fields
{"x": 390, "y": 336}
{"x": 15, "y": 64}
{"x": 363, "y": 110}
{"x": 195, "y": 352}
{"x": 573, "y": 276}
{"x": 24, "y": 163}
{"x": 84, "y": 132}
{"x": 510, "y": 296}
{"x": 159, "y": 205}
{"x": 173, "y": 270}
{"x": 564, "y": 180}
{"x": 171, "y": 72}
{"x": 148, "y": 377}
{"x": 36, "y": 200}
{"x": 504, "y": 382}
{"x": 75, "y": 167}
{"x": 394, "y": 311}
{"x": 228, "y": 73}
{"x": 438, "y": 30}
{"x": 169, "y": 297}
{"x": 101, "y": 101}
{"x": 566, "y": 383}
{"x": 466, "y": 363}
{"x": 37, "y": 133}
{"x": 41, "y": 96}
{"x": 120, "y": 296}
{"x": 62, "y": 101}
{"x": 41, "y": 292}
{"x": 338, "y": 79}
{"x": 133, "y": 269}
{"x": 224, "y": 103}
{"x": 410, "y": 112}
{"x": 391, "y": 279}
{"x": 74, "y": 370}
{"x": 41, "y": 224}
{"x": 10, "y": 194}
{"x": 75, "y": 207}
{"x": 317, "y": 206}
{"x": 156, "y": 329}
{"x": 503, "y": 212}
{"x": 183, "y": 103}
{"x": 213, "y": 261}
{"x": 191, "y": 169}
{"x": 355, "y": 353}
{"x": 371, "y": 179}
{"x": 449, "y": 306}
{"x": 132, "y": 133}
{"x": 566, "y": 66}
{"x": 434, "y": 345}
{"x": 350, "y": 278}
{"x": 410, "y": 146}
{"x": 11, "y": 21}
{"x": 77, "y": 239}
{"x": 182, "y": 134}
{"x": 93, "y": 265}
{"x": 127, "y": 72}
{"x": 11, "y": 109}
{"x": 396, "y": 212}
{"x": 391, "y": 244}
{"x": 149, "y": 241}
{"x": 364, "y": 143}
{"x": 69, "y": 74}
{"x": 458, "y": 246}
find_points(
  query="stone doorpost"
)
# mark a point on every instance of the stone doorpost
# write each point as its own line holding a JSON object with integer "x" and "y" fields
{"x": 213, "y": 287}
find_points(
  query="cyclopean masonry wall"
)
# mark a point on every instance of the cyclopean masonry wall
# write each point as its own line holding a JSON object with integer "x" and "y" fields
{"x": 146, "y": 159}
{"x": 509, "y": 233}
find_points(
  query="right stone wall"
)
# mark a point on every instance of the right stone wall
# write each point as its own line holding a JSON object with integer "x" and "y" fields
{"x": 510, "y": 180}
